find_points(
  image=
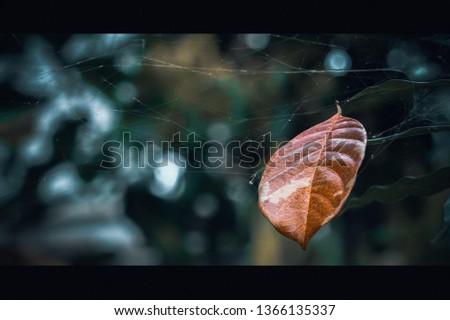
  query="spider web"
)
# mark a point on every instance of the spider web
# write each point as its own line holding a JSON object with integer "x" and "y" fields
{"x": 64, "y": 97}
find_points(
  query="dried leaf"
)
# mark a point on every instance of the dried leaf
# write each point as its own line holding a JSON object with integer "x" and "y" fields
{"x": 306, "y": 181}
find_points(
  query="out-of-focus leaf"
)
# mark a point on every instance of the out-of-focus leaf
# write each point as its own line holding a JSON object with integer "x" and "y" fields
{"x": 395, "y": 85}
{"x": 425, "y": 185}
{"x": 441, "y": 39}
{"x": 408, "y": 133}
{"x": 444, "y": 231}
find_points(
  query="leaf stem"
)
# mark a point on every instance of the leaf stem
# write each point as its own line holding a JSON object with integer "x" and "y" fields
{"x": 339, "y": 110}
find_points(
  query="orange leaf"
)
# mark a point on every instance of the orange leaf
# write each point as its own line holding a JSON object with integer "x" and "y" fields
{"x": 306, "y": 181}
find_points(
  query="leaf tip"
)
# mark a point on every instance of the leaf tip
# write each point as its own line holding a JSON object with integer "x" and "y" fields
{"x": 303, "y": 244}
{"x": 301, "y": 239}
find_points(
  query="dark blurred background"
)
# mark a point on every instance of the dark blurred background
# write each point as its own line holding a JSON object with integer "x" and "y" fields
{"x": 63, "y": 96}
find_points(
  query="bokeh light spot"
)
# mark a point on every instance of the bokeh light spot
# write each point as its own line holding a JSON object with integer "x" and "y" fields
{"x": 258, "y": 41}
{"x": 338, "y": 61}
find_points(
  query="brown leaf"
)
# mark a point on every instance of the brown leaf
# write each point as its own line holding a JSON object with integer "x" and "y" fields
{"x": 306, "y": 181}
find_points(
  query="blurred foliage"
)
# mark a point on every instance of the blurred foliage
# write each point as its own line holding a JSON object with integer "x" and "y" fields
{"x": 417, "y": 186}
{"x": 444, "y": 232}
{"x": 63, "y": 96}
